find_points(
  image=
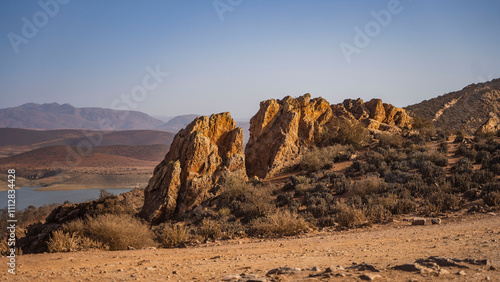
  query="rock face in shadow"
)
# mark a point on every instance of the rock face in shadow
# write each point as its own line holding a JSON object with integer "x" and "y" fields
{"x": 201, "y": 155}
{"x": 281, "y": 128}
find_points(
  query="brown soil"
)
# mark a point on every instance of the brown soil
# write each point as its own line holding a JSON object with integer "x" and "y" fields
{"x": 459, "y": 236}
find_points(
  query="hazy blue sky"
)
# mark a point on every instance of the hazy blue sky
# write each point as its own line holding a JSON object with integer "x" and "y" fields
{"x": 91, "y": 53}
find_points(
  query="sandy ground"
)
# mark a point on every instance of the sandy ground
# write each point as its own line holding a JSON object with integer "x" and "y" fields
{"x": 474, "y": 236}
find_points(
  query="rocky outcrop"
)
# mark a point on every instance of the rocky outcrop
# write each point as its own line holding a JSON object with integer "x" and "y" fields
{"x": 279, "y": 130}
{"x": 200, "y": 156}
{"x": 378, "y": 115}
{"x": 282, "y": 128}
{"x": 491, "y": 125}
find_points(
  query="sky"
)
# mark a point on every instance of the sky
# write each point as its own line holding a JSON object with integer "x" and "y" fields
{"x": 201, "y": 57}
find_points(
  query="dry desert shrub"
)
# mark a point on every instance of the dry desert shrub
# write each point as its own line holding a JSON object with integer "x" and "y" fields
{"x": 492, "y": 199}
{"x": 345, "y": 132}
{"x": 61, "y": 241}
{"x": 281, "y": 223}
{"x": 369, "y": 185}
{"x": 117, "y": 232}
{"x": 210, "y": 228}
{"x": 316, "y": 159}
{"x": 390, "y": 140}
{"x": 349, "y": 216}
{"x": 246, "y": 200}
{"x": 172, "y": 235}
{"x": 319, "y": 158}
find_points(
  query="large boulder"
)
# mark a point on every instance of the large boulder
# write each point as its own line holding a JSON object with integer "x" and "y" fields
{"x": 280, "y": 129}
{"x": 200, "y": 156}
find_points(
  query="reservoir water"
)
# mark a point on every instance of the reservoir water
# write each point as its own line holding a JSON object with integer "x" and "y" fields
{"x": 27, "y": 196}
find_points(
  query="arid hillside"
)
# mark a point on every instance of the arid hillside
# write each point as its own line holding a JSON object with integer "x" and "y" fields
{"x": 466, "y": 109}
{"x": 81, "y": 158}
{"x": 16, "y": 140}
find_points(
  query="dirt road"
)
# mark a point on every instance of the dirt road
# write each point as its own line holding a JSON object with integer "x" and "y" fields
{"x": 382, "y": 246}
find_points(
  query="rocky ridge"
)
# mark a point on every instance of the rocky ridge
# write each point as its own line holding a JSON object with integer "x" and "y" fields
{"x": 467, "y": 109}
{"x": 281, "y": 129}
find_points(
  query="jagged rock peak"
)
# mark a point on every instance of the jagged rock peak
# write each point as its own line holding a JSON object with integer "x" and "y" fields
{"x": 200, "y": 156}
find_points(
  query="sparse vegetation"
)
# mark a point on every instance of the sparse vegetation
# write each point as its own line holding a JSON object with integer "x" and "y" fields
{"x": 319, "y": 158}
{"x": 346, "y": 132}
{"x": 282, "y": 223}
{"x": 116, "y": 232}
{"x": 171, "y": 235}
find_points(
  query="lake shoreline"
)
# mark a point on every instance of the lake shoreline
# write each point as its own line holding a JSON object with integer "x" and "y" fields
{"x": 32, "y": 196}
{"x": 67, "y": 187}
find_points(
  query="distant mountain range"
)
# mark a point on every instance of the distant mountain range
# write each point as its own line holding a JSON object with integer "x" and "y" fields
{"x": 177, "y": 123}
{"x": 65, "y": 116}
{"x": 15, "y": 140}
{"x": 466, "y": 109}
